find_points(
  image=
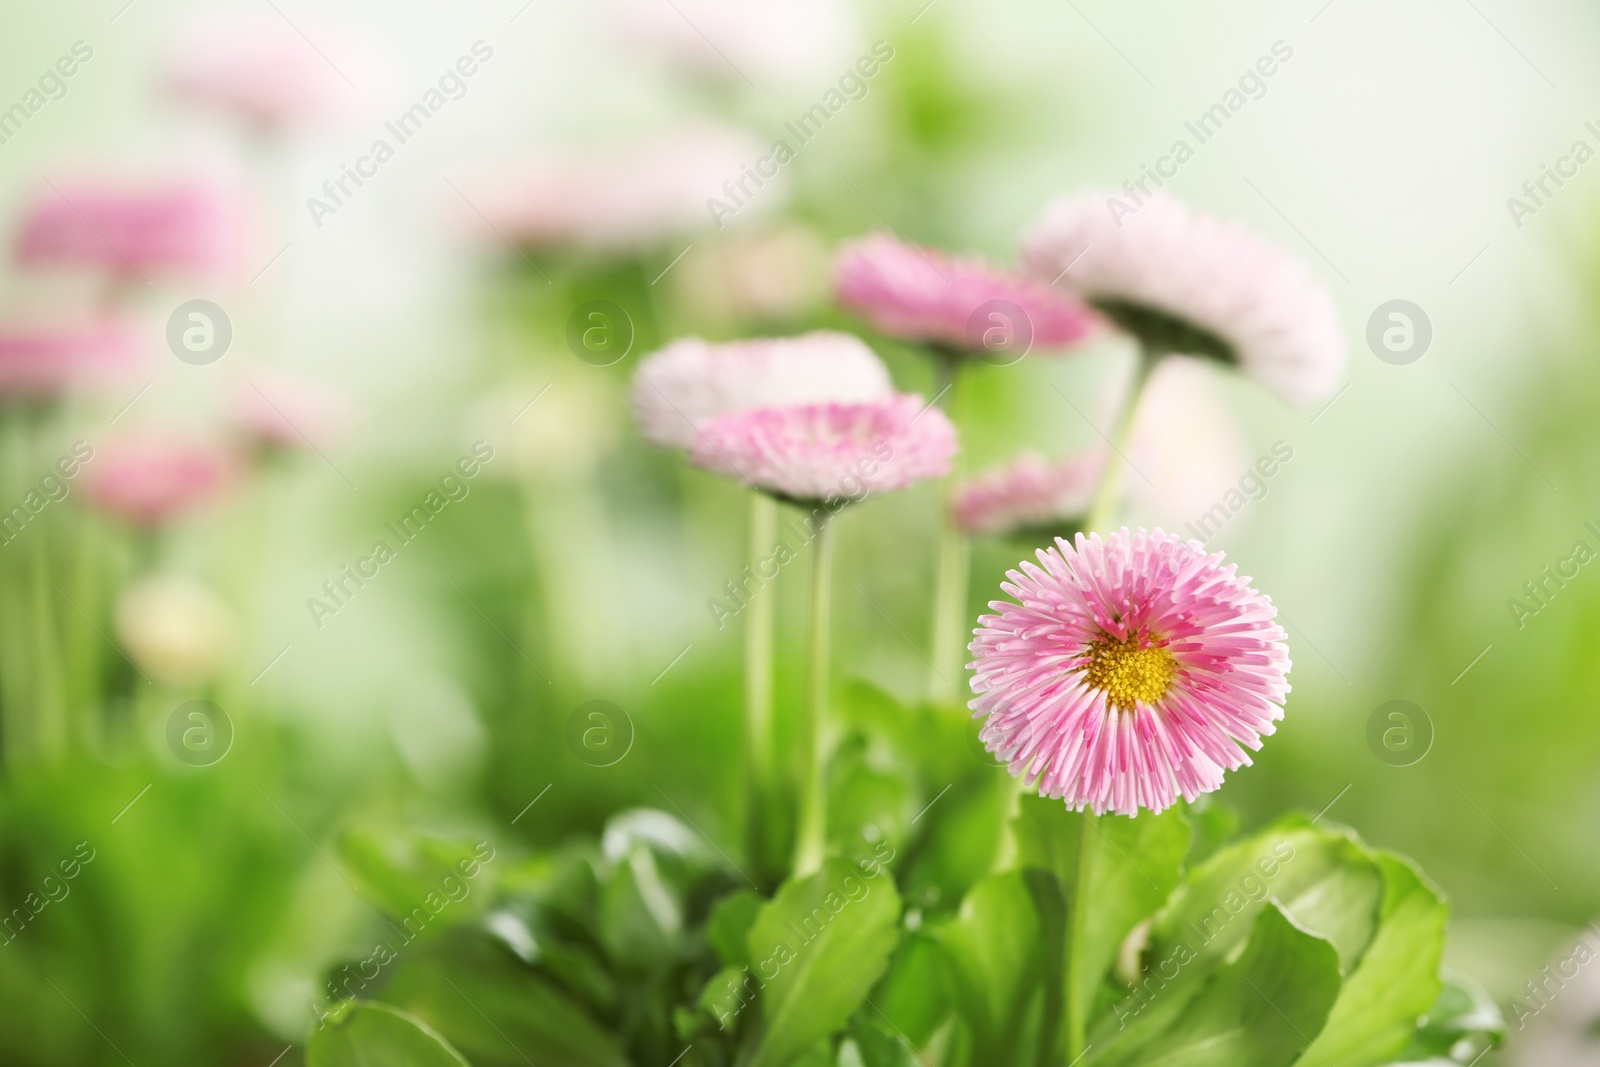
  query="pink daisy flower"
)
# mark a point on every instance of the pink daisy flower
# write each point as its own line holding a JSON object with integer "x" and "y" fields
{"x": 153, "y": 480}
{"x": 1130, "y": 671}
{"x": 1187, "y": 283}
{"x": 1027, "y": 492}
{"x": 829, "y": 451}
{"x": 41, "y": 362}
{"x": 962, "y": 304}
{"x": 186, "y": 227}
{"x": 689, "y": 381}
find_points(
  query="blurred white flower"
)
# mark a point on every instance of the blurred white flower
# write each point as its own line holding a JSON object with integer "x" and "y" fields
{"x": 1188, "y": 449}
{"x": 621, "y": 199}
{"x": 773, "y": 273}
{"x": 260, "y": 71}
{"x": 1555, "y": 1019}
{"x": 1186, "y": 282}
{"x": 789, "y": 41}
{"x": 175, "y": 629}
{"x": 558, "y": 429}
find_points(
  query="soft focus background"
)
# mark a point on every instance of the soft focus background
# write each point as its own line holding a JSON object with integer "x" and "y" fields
{"x": 578, "y": 566}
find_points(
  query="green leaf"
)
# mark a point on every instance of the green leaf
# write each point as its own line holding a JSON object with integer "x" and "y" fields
{"x": 993, "y": 959}
{"x": 363, "y": 1034}
{"x": 819, "y": 946}
{"x": 866, "y": 803}
{"x": 962, "y": 832}
{"x": 1397, "y": 979}
{"x": 1259, "y": 1011}
{"x": 641, "y": 915}
{"x": 1130, "y": 868}
{"x": 1464, "y": 1012}
{"x": 497, "y": 1010}
{"x": 725, "y": 996}
{"x": 911, "y": 995}
{"x": 416, "y": 877}
{"x": 728, "y": 926}
{"x": 1326, "y": 881}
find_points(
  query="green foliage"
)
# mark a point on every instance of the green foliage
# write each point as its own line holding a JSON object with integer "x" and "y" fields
{"x": 360, "y": 1034}
{"x": 818, "y": 947}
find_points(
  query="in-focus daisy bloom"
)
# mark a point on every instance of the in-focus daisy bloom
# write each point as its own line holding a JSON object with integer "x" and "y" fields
{"x": 829, "y": 452}
{"x": 689, "y": 381}
{"x": 153, "y": 480}
{"x": 186, "y": 227}
{"x": 1029, "y": 491}
{"x": 1129, "y": 672}
{"x": 960, "y": 304}
{"x": 1185, "y": 282}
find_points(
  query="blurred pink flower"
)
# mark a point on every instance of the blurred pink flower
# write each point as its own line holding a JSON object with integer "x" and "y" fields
{"x": 262, "y": 72}
{"x": 188, "y": 227}
{"x": 42, "y": 361}
{"x": 1130, "y": 672}
{"x": 829, "y": 451}
{"x": 676, "y": 389}
{"x": 920, "y": 294}
{"x": 278, "y": 410}
{"x": 619, "y": 200}
{"x": 150, "y": 480}
{"x": 1191, "y": 284}
{"x": 1030, "y": 491}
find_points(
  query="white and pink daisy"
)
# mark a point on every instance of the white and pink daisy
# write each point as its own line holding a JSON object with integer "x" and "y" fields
{"x": 920, "y": 294}
{"x": 832, "y": 451}
{"x": 1187, "y": 283}
{"x": 1129, "y": 672}
{"x": 689, "y": 381}
{"x": 1029, "y": 491}
{"x": 274, "y": 410}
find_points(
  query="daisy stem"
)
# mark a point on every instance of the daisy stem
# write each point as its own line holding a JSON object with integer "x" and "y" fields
{"x": 811, "y": 828}
{"x": 1109, "y": 495}
{"x": 954, "y": 566}
{"x": 1077, "y": 927}
{"x": 758, "y": 679}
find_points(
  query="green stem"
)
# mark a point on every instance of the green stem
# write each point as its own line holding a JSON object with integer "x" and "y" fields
{"x": 1109, "y": 495}
{"x": 954, "y": 561}
{"x": 758, "y": 678}
{"x": 1077, "y": 928}
{"x": 51, "y": 730}
{"x": 811, "y": 827}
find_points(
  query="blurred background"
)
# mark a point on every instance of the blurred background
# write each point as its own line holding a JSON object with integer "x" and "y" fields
{"x": 390, "y": 330}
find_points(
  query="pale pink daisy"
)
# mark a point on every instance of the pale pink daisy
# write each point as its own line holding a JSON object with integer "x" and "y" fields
{"x": 1029, "y": 491}
{"x": 151, "y": 480}
{"x": 797, "y": 42}
{"x": 1129, "y": 673}
{"x": 39, "y": 361}
{"x": 260, "y": 71}
{"x": 276, "y": 410}
{"x": 828, "y": 452}
{"x": 188, "y": 227}
{"x": 961, "y": 304}
{"x": 689, "y": 381}
{"x": 1185, "y": 282}
{"x": 621, "y": 199}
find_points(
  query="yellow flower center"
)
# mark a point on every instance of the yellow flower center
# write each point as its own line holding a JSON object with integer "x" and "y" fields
{"x": 1129, "y": 672}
